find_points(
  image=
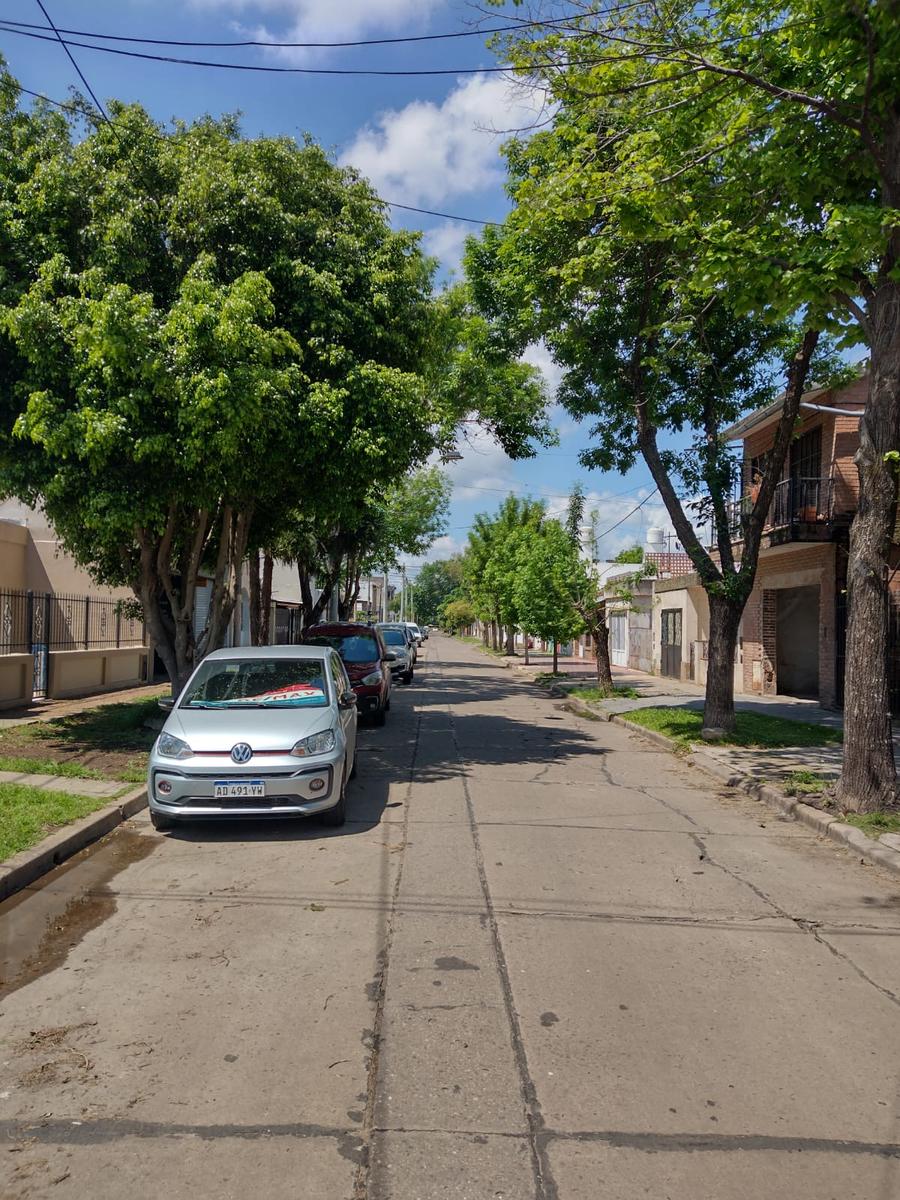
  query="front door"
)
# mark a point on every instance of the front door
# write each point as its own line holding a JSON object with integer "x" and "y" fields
{"x": 618, "y": 639}
{"x": 671, "y": 643}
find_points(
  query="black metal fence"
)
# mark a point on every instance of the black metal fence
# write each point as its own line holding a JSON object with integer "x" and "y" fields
{"x": 288, "y": 625}
{"x": 58, "y": 622}
{"x": 795, "y": 502}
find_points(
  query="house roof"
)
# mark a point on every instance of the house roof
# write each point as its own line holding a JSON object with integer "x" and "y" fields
{"x": 762, "y": 417}
{"x": 765, "y": 416}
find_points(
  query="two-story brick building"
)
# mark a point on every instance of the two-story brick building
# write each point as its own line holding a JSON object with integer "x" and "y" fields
{"x": 791, "y": 640}
{"x": 792, "y": 634}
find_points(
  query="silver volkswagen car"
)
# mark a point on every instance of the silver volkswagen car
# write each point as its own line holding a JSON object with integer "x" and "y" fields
{"x": 262, "y": 731}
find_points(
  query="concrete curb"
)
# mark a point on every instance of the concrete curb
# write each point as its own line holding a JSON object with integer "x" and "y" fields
{"x": 28, "y": 865}
{"x": 824, "y": 824}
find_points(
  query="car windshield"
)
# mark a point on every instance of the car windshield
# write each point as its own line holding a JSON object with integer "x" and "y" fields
{"x": 353, "y": 648}
{"x": 394, "y": 637}
{"x": 258, "y": 683}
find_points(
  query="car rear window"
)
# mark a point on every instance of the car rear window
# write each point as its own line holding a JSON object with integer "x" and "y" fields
{"x": 258, "y": 683}
{"x": 355, "y": 648}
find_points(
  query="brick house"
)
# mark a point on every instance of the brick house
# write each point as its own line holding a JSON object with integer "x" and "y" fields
{"x": 791, "y": 639}
{"x": 792, "y": 634}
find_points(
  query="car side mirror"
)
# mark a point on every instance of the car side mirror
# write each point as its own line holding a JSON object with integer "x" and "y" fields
{"x": 166, "y": 703}
{"x": 347, "y": 699}
{"x": 390, "y": 657}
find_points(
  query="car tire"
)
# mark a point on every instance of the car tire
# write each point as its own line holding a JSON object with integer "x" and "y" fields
{"x": 387, "y": 704}
{"x": 408, "y": 677}
{"x": 338, "y": 814}
{"x": 379, "y": 716}
{"x": 160, "y": 823}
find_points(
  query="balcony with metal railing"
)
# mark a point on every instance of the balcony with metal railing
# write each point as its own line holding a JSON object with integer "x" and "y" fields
{"x": 801, "y": 511}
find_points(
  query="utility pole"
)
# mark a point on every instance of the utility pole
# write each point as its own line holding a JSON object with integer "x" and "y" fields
{"x": 384, "y": 598}
{"x": 402, "y": 593}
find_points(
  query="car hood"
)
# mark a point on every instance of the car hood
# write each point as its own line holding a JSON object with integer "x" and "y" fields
{"x": 216, "y": 730}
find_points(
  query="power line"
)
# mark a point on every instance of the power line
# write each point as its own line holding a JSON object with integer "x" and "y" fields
{"x": 600, "y": 536}
{"x": 559, "y": 22}
{"x": 274, "y": 70}
{"x": 71, "y": 58}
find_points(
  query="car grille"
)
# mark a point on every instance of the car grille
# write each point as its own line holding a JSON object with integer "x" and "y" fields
{"x": 243, "y": 802}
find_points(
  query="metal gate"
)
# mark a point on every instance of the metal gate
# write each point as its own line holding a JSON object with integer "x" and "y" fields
{"x": 671, "y": 643}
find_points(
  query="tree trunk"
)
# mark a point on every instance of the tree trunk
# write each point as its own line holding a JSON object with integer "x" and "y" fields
{"x": 600, "y": 634}
{"x": 265, "y": 601}
{"x": 868, "y": 778}
{"x": 555, "y": 657}
{"x": 724, "y": 622}
{"x": 495, "y": 636}
{"x": 526, "y": 649}
{"x": 510, "y": 640}
{"x": 254, "y": 589}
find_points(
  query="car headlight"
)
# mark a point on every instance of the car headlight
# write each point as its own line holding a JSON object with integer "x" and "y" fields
{"x": 316, "y": 743}
{"x": 374, "y": 678}
{"x": 170, "y": 746}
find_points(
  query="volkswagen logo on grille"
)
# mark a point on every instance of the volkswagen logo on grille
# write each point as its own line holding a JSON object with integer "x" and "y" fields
{"x": 241, "y": 753}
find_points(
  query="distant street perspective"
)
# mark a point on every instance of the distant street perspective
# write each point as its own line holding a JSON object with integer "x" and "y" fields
{"x": 541, "y": 959}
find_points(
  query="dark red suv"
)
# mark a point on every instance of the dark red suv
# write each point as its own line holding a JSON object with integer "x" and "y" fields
{"x": 365, "y": 656}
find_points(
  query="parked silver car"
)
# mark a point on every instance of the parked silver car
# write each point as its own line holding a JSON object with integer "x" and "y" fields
{"x": 263, "y": 731}
{"x": 398, "y": 640}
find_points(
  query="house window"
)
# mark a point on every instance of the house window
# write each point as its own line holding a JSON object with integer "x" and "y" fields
{"x": 806, "y": 455}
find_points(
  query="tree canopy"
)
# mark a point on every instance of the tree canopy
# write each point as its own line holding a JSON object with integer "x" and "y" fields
{"x": 209, "y": 339}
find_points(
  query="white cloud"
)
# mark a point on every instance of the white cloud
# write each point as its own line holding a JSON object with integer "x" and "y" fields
{"x": 484, "y": 473}
{"x": 427, "y": 152}
{"x": 325, "y": 20}
{"x": 539, "y": 356}
{"x": 446, "y": 243}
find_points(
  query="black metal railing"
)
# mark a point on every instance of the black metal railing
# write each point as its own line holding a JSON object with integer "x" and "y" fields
{"x": 795, "y": 502}
{"x": 29, "y": 620}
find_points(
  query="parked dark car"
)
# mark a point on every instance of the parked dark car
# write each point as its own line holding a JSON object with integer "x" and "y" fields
{"x": 366, "y": 659}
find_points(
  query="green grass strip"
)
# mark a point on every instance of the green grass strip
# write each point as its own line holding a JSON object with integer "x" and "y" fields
{"x": 28, "y": 814}
{"x": 47, "y": 766}
{"x": 875, "y": 823}
{"x": 752, "y": 729}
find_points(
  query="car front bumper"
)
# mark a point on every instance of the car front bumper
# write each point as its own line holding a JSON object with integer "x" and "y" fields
{"x": 293, "y": 788}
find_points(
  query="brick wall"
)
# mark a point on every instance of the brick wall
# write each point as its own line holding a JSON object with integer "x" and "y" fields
{"x": 798, "y": 566}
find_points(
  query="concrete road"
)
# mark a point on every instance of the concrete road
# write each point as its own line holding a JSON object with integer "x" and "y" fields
{"x": 543, "y": 960}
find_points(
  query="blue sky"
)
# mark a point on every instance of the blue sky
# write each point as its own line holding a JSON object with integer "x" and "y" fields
{"x": 431, "y": 142}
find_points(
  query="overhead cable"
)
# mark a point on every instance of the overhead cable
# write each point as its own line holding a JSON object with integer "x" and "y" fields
{"x": 71, "y": 58}
{"x": 273, "y": 44}
{"x": 278, "y": 70}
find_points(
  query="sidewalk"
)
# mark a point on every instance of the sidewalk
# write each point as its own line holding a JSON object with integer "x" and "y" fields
{"x": 49, "y": 710}
{"x": 102, "y": 789}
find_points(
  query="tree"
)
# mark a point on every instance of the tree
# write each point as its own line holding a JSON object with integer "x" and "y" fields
{"x": 490, "y": 564}
{"x": 456, "y": 615}
{"x": 435, "y": 585}
{"x": 547, "y": 567}
{"x": 643, "y": 357}
{"x": 769, "y": 140}
{"x": 633, "y": 554}
{"x": 178, "y": 378}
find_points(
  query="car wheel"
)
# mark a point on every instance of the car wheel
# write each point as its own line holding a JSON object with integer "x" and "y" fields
{"x": 387, "y": 704}
{"x": 161, "y": 823}
{"x": 338, "y": 814}
{"x": 408, "y": 677}
{"x": 378, "y": 718}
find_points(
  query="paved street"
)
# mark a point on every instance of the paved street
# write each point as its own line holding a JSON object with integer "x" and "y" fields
{"x": 544, "y": 960}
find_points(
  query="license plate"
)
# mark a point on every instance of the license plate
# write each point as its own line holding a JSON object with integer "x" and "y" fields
{"x": 250, "y": 789}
